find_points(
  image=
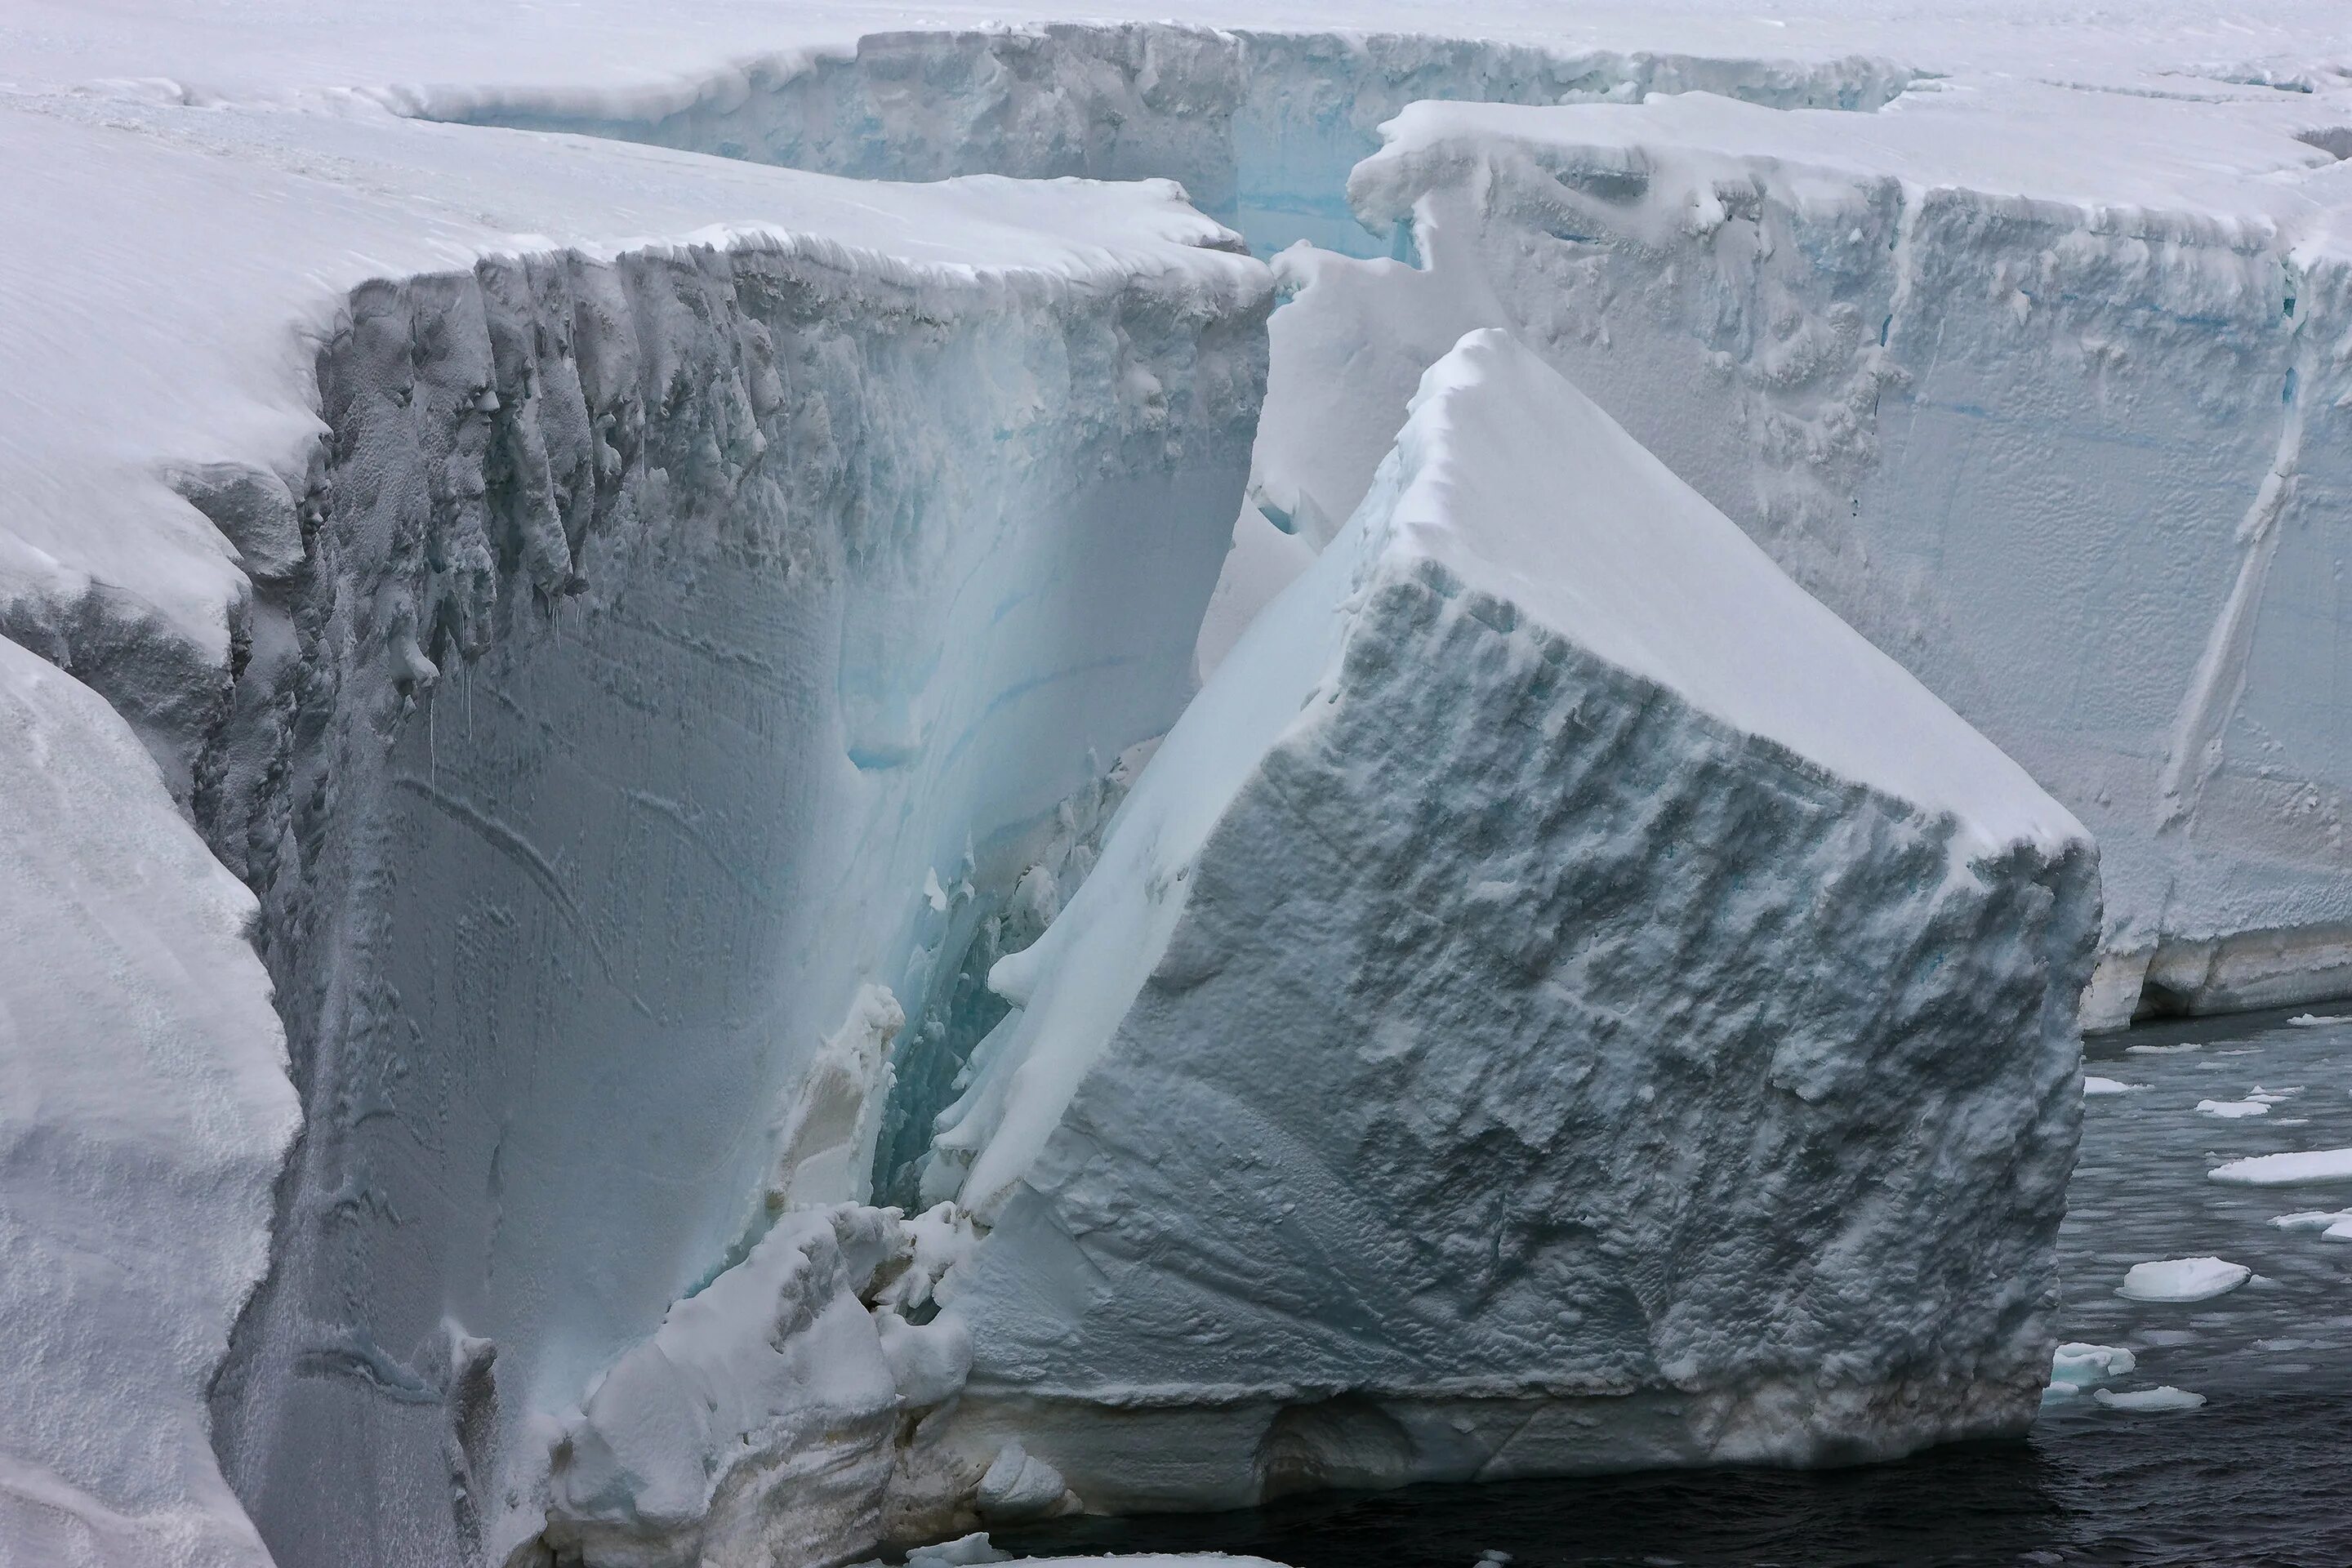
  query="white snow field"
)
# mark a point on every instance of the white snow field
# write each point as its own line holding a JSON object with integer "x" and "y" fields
{"x": 651, "y": 631}
{"x": 1470, "y": 1054}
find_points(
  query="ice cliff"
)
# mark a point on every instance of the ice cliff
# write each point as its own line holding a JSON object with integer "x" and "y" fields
{"x": 674, "y": 623}
{"x": 2065, "y": 433}
{"x": 1559, "y": 999}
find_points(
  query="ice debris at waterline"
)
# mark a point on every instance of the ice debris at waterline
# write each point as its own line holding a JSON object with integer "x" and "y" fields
{"x": 2149, "y": 1401}
{"x": 1548, "y": 984}
{"x": 2095, "y": 1086}
{"x": 2182, "y": 1280}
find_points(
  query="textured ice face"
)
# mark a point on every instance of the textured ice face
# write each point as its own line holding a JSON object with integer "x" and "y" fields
{"x": 694, "y": 649}
{"x": 2042, "y": 390}
{"x": 1495, "y": 1044}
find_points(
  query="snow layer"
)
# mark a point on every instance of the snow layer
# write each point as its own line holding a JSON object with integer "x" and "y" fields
{"x": 1511, "y": 1030}
{"x": 143, "y": 1111}
{"x": 1955, "y": 363}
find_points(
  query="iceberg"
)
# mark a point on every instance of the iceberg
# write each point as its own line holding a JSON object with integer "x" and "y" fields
{"x": 1548, "y": 987}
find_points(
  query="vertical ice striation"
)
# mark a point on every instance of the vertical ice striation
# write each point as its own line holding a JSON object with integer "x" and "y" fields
{"x": 2062, "y": 431}
{"x": 1560, "y": 1000}
{"x": 678, "y": 630}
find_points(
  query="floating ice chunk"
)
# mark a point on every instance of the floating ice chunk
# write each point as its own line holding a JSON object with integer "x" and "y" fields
{"x": 2286, "y": 1170}
{"x": 2233, "y": 1109}
{"x": 2147, "y": 1401}
{"x": 2183, "y": 1048}
{"x": 2314, "y": 1020}
{"x": 2079, "y": 1366}
{"x": 2274, "y": 1096}
{"x": 2098, "y": 1086}
{"x": 963, "y": 1551}
{"x": 2183, "y": 1279}
{"x": 2312, "y": 1219}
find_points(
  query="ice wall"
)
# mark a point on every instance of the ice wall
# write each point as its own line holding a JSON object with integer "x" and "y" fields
{"x": 2043, "y": 389}
{"x": 1560, "y": 1000}
{"x": 675, "y": 633}
{"x": 1260, "y": 127}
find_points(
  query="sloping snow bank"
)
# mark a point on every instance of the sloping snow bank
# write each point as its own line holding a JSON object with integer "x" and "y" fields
{"x": 2044, "y": 390}
{"x": 1558, "y": 1000}
{"x": 143, "y": 1112}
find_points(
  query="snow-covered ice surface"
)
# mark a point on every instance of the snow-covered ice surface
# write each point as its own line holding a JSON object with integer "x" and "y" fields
{"x": 1363, "y": 1120}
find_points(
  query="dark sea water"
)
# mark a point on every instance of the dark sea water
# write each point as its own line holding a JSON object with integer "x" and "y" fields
{"x": 2261, "y": 1475}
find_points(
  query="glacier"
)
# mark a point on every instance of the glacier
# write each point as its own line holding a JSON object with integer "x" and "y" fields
{"x": 2065, "y": 435}
{"x": 656, "y": 614}
{"x": 1558, "y": 1000}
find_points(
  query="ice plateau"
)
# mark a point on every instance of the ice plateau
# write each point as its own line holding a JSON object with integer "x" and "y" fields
{"x": 1549, "y": 983}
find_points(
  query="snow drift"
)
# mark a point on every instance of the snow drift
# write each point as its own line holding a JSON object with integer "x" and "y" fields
{"x": 2043, "y": 389}
{"x": 1558, "y": 1000}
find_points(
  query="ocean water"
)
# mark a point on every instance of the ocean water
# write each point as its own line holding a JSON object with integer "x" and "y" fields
{"x": 2262, "y": 1474}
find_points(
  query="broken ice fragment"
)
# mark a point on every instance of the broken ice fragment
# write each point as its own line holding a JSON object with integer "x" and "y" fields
{"x": 2183, "y": 1279}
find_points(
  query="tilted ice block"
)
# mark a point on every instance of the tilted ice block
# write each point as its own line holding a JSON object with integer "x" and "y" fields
{"x": 2045, "y": 391}
{"x": 1558, "y": 1000}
